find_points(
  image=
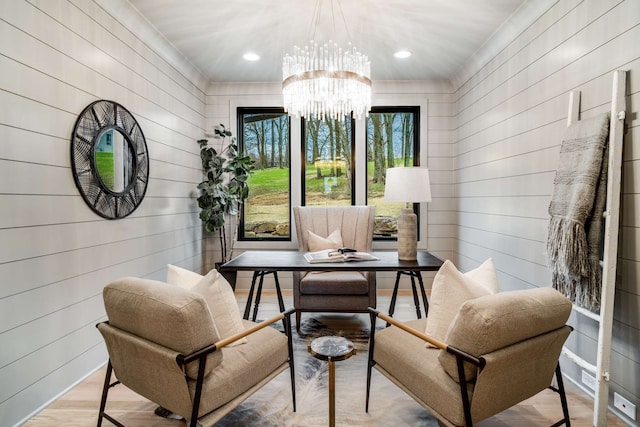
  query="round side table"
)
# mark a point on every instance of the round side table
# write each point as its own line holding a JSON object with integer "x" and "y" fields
{"x": 332, "y": 349}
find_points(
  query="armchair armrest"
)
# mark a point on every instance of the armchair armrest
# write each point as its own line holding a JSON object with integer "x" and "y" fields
{"x": 246, "y": 332}
{"x": 433, "y": 341}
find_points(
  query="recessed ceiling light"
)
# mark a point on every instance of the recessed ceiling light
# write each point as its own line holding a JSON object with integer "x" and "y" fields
{"x": 251, "y": 56}
{"x": 402, "y": 54}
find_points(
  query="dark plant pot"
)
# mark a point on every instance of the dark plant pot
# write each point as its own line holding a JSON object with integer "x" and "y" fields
{"x": 230, "y": 276}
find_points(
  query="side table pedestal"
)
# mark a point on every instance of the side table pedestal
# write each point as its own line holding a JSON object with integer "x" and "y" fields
{"x": 332, "y": 349}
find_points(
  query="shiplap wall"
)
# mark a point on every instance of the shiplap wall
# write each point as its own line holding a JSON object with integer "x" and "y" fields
{"x": 56, "y": 255}
{"x": 492, "y": 140}
{"x": 437, "y": 121}
{"x": 512, "y": 110}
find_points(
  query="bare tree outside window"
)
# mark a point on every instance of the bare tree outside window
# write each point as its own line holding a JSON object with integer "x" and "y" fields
{"x": 392, "y": 141}
{"x": 328, "y": 161}
{"x": 264, "y": 134}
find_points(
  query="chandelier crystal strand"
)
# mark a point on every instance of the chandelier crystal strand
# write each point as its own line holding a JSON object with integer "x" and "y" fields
{"x": 326, "y": 81}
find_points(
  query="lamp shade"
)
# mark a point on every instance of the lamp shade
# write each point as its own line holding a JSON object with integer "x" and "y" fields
{"x": 407, "y": 185}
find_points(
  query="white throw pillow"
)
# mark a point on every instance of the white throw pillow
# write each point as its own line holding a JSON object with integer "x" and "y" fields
{"x": 317, "y": 243}
{"x": 451, "y": 288}
{"x": 219, "y": 297}
{"x": 184, "y": 278}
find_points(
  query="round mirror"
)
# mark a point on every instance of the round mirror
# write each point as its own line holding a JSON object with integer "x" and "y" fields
{"x": 109, "y": 159}
{"x": 114, "y": 159}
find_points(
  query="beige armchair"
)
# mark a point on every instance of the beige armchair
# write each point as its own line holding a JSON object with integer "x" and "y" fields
{"x": 334, "y": 291}
{"x": 163, "y": 344}
{"x": 500, "y": 350}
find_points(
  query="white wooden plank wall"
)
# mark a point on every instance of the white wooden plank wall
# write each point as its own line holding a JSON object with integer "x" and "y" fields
{"x": 491, "y": 137}
{"x": 57, "y": 56}
{"x": 511, "y": 117}
{"x": 437, "y": 106}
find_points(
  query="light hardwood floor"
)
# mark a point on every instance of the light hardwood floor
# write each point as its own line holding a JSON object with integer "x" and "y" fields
{"x": 79, "y": 406}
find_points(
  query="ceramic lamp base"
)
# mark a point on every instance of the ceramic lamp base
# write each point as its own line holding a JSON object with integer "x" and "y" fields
{"x": 407, "y": 235}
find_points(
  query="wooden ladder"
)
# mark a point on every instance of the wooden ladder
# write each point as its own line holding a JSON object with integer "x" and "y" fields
{"x": 609, "y": 260}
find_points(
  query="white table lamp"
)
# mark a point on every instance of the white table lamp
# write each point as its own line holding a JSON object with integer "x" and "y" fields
{"x": 407, "y": 185}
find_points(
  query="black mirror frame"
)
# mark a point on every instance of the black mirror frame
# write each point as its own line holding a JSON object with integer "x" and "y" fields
{"x": 94, "y": 119}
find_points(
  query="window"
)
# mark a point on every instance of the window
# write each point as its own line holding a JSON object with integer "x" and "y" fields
{"x": 327, "y": 166}
{"x": 327, "y": 169}
{"x": 392, "y": 140}
{"x": 264, "y": 134}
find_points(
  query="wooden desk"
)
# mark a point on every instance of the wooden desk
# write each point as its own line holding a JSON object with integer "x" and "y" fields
{"x": 274, "y": 261}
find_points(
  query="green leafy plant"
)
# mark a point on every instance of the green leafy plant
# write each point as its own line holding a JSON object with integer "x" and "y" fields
{"x": 224, "y": 188}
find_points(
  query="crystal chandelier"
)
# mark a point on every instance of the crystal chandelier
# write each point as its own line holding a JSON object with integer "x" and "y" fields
{"x": 326, "y": 80}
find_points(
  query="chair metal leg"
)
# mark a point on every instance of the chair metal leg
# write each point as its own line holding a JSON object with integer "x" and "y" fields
{"x": 466, "y": 405}
{"x": 287, "y": 329}
{"x": 105, "y": 392}
{"x": 563, "y": 399}
{"x": 193, "y": 422}
{"x": 103, "y": 402}
{"x": 371, "y": 362}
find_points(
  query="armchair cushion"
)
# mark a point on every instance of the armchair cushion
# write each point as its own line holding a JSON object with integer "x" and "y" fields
{"x": 451, "y": 288}
{"x": 334, "y": 283}
{"x": 219, "y": 297}
{"x": 244, "y": 366}
{"x": 404, "y": 359}
{"x": 317, "y": 243}
{"x": 492, "y": 322}
{"x": 166, "y": 315}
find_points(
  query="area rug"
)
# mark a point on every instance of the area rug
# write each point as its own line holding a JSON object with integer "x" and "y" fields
{"x": 388, "y": 406}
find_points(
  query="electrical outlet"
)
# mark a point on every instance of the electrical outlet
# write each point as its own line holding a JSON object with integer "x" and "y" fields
{"x": 588, "y": 380}
{"x": 627, "y": 408}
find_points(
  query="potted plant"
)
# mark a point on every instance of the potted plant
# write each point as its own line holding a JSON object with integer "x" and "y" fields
{"x": 224, "y": 188}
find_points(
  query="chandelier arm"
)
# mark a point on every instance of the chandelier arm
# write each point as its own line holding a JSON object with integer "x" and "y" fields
{"x": 344, "y": 21}
{"x": 333, "y": 18}
{"x": 315, "y": 20}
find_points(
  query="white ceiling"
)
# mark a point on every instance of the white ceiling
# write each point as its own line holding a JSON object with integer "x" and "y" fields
{"x": 214, "y": 34}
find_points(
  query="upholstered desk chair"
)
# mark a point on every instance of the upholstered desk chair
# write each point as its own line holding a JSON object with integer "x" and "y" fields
{"x": 500, "y": 350}
{"x": 334, "y": 291}
{"x": 163, "y": 344}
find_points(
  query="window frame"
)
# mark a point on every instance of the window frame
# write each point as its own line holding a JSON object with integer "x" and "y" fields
{"x": 379, "y": 109}
{"x": 303, "y": 160}
{"x": 240, "y": 114}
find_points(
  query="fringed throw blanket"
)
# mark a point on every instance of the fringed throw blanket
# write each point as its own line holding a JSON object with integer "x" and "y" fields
{"x": 579, "y": 196}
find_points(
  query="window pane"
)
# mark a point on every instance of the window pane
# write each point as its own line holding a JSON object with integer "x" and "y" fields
{"x": 391, "y": 141}
{"x": 328, "y": 153}
{"x": 265, "y": 137}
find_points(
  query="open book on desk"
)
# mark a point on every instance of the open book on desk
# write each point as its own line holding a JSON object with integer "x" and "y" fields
{"x": 331, "y": 255}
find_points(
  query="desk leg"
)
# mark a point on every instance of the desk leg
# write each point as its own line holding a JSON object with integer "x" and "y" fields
{"x": 247, "y": 307}
{"x": 332, "y": 394}
{"x": 258, "y": 295}
{"x": 425, "y": 301}
{"x": 416, "y": 301}
{"x": 278, "y": 292}
{"x": 394, "y": 295}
